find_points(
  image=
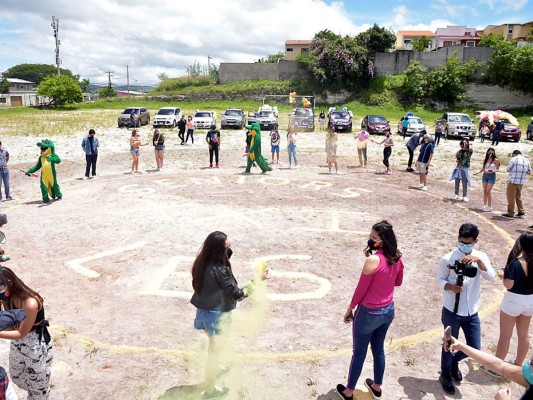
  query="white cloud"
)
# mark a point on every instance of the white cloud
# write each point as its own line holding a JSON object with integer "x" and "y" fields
{"x": 504, "y": 5}
{"x": 160, "y": 36}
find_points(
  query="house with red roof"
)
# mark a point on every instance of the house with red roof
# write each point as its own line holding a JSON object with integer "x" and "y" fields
{"x": 456, "y": 36}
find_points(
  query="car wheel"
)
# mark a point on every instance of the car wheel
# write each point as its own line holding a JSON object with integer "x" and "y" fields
{"x": 517, "y": 139}
{"x": 446, "y": 133}
{"x": 528, "y": 135}
{"x": 350, "y": 128}
{"x": 174, "y": 124}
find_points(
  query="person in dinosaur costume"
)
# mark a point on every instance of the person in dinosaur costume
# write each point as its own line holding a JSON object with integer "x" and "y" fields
{"x": 254, "y": 153}
{"x": 46, "y": 163}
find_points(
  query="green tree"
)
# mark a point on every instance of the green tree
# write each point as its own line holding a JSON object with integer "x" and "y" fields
{"x": 414, "y": 85}
{"x": 60, "y": 89}
{"x": 35, "y": 72}
{"x": 106, "y": 92}
{"x": 272, "y": 58}
{"x": 522, "y": 69}
{"x": 421, "y": 43}
{"x": 337, "y": 61}
{"x": 376, "y": 40}
{"x": 4, "y": 86}
{"x": 490, "y": 40}
{"x": 84, "y": 84}
{"x": 500, "y": 63}
{"x": 446, "y": 83}
{"x": 162, "y": 76}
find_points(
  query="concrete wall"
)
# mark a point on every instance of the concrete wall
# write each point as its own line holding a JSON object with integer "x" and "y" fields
{"x": 493, "y": 97}
{"x": 395, "y": 63}
{"x": 231, "y": 72}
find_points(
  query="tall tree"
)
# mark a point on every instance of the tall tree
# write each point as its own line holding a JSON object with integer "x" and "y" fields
{"x": 35, "y": 72}
{"x": 376, "y": 40}
{"x": 421, "y": 43}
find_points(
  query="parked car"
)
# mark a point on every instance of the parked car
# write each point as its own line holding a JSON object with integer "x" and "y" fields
{"x": 233, "y": 118}
{"x": 529, "y": 132}
{"x": 509, "y": 132}
{"x": 376, "y": 124}
{"x": 415, "y": 125}
{"x": 266, "y": 116}
{"x": 458, "y": 125}
{"x": 341, "y": 121}
{"x": 204, "y": 119}
{"x": 141, "y": 117}
{"x": 302, "y": 119}
{"x": 167, "y": 117}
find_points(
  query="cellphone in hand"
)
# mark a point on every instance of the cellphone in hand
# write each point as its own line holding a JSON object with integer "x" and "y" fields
{"x": 447, "y": 338}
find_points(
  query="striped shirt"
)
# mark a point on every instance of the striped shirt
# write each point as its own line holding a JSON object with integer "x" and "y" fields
{"x": 519, "y": 167}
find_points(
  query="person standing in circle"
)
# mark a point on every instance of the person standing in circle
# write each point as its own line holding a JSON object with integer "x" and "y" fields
{"x": 30, "y": 355}
{"x": 216, "y": 294}
{"x": 439, "y": 127}
{"x": 275, "y": 139}
{"x": 182, "y": 124}
{"x": 190, "y": 130}
{"x": 362, "y": 144}
{"x": 461, "y": 173}
{"x": 331, "y": 149}
{"x": 424, "y": 160}
{"x": 212, "y": 139}
{"x": 4, "y": 172}
{"x": 135, "y": 151}
{"x": 291, "y": 146}
{"x": 374, "y": 307}
{"x": 158, "y": 140}
{"x": 322, "y": 120}
{"x": 387, "y": 151}
{"x": 90, "y": 145}
{"x": 491, "y": 165}
{"x": 517, "y": 305}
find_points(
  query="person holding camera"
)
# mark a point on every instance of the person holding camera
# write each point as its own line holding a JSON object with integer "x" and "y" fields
{"x": 374, "y": 307}
{"x": 459, "y": 275}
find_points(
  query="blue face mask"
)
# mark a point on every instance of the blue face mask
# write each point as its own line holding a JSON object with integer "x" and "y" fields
{"x": 466, "y": 248}
{"x": 526, "y": 371}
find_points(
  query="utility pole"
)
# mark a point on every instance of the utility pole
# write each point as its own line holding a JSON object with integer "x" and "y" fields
{"x": 128, "y": 77}
{"x": 208, "y": 65}
{"x": 55, "y": 26}
{"x": 109, "y": 78}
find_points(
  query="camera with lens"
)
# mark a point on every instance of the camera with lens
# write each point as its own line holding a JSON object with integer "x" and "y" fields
{"x": 461, "y": 270}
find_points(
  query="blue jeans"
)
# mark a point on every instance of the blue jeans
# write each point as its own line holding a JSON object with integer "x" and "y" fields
{"x": 370, "y": 326}
{"x": 4, "y": 174}
{"x": 292, "y": 153}
{"x": 471, "y": 327}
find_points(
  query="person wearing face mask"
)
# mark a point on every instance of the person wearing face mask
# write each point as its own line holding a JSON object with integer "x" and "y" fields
{"x": 216, "y": 294}
{"x": 520, "y": 374}
{"x": 30, "y": 355}
{"x": 461, "y": 172}
{"x": 466, "y": 317}
{"x": 374, "y": 307}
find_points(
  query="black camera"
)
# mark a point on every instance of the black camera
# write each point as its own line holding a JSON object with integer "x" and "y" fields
{"x": 462, "y": 269}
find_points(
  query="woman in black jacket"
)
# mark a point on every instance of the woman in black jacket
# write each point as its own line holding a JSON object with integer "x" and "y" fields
{"x": 215, "y": 295}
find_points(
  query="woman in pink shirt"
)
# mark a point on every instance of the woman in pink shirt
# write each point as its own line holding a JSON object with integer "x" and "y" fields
{"x": 374, "y": 307}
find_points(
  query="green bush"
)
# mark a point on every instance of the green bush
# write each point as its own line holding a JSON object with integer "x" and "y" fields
{"x": 176, "y": 84}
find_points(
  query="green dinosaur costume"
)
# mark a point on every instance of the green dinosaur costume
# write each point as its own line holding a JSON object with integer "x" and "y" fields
{"x": 254, "y": 154}
{"x": 46, "y": 163}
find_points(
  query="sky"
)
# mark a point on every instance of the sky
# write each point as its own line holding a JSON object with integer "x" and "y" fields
{"x": 166, "y": 36}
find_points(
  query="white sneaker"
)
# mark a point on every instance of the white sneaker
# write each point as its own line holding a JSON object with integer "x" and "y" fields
{"x": 455, "y": 197}
{"x": 465, "y": 199}
{"x": 485, "y": 208}
{"x": 86, "y": 178}
{"x": 420, "y": 186}
{"x": 424, "y": 188}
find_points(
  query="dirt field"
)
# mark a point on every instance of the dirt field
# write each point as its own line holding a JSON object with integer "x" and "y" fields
{"x": 112, "y": 261}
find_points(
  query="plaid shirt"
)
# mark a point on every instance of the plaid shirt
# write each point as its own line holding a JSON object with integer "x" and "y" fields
{"x": 518, "y": 169}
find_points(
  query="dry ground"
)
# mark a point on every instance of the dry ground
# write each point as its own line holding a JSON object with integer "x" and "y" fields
{"x": 112, "y": 259}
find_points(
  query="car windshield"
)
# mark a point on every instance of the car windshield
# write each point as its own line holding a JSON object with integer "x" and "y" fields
{"x": 303, "y": 112}
{"x": 202, "y": 115}
{"x": 266, "y": 114}
{"x": 415, "y": 121}
{"x": 233, "y": 112}
{"x": 377, "y": 120}
{"x": 339, "y": 114}
{"x": 129, "y": 110}
{"x": 166, "y": 111}
{"x": 460, "y": 118}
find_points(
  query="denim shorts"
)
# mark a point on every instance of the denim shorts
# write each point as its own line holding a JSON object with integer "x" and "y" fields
{"x": 275, "y": 149}
{"x": 135, "y": 151}
{"x": 212, "y": 321}
{"x": 488, "y": 178}
{"x": 159, "y": 147}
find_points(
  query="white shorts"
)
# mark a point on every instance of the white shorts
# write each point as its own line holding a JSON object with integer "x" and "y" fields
{"x": 517, "y": 304}
{"x": 421, "y": 168}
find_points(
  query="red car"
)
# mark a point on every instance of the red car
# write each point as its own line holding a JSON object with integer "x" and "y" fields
{"x": 376, "y": 124}
{"x": 509, "y": 132}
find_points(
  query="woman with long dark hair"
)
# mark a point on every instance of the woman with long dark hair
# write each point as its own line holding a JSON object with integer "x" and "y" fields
{"x": 158, "y": 140}
{"x": 517, "y": 304}
{"x": 215, "y": 295}
{"x": 30, "y": 356}
{"x": 490, "y": 166}
{"x": 387, "y": 151}
{"x": 374, "y": 307}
